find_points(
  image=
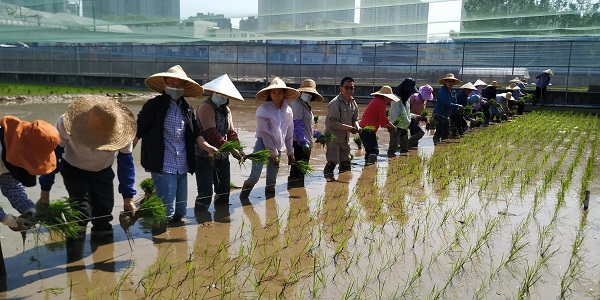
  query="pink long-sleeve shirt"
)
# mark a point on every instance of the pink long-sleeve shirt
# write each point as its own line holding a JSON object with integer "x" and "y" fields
{"x": 275, "y": 126}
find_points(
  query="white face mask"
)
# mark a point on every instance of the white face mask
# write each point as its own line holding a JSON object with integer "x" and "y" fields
{"x": 219, "y": 99}
{"x": 306, "y": 97}
{"x": 174, "y": 92}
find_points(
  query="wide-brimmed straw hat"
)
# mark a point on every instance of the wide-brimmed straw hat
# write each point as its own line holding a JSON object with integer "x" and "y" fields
{"x": 30, "y": 145}
{"x": 449, "y": 76}
{"x": 515, "y": 80}
{"x": 386, "y": 91}
{"x": 513, "y": 86}
{"x": 548, "y": 71}
{"x": 468, "y": 86}
{"x": 309, "y": 86}
{"x": 277, "y": 83}
{"x": 224, "y": 86}
{"x": 157, "y": 82}
{"x": 495, "y": 84}
{"x": 426, "y": 91}
{"x": 99, "y": 122}
{"x": 479, "y": 82}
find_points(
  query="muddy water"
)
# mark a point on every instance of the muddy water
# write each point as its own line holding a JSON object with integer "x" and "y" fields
{"x": 363, "y": 236}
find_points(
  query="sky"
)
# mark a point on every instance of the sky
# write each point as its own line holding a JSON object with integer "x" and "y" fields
{"x": 444, "y": 15}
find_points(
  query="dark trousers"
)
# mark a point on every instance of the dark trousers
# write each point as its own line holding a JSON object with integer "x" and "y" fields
{"x": 212, "y": 172}
{"x": 539, "y": 95}
{"x": 369, "y": 140}
{"x": 298, "y": 155}
{"x": 93, "y": 192}
{"x": 442, "y": 128}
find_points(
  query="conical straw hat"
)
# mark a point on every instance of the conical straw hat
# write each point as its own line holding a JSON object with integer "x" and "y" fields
{"x": 277, "y": 83}
{"x": 157, "y": 82}
{"x": 224, "y": 86}
{"x": 386, "y": 91}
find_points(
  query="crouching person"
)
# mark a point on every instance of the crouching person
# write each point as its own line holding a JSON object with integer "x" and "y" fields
{"x": 94, "y": 132}
{"x": 27, "y": 150}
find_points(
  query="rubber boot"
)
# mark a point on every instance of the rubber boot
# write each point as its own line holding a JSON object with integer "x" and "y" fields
{"x": 246, "y": 189}
{"x": 345, "y": 166}
{"x": 403, "y": 140}
{"x": 221, "y": 200}
{"x": 269, "y": 191}
{"x": 328, "y": 170}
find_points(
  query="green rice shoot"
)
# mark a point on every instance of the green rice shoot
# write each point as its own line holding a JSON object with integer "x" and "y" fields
{"x": 370, "y": 128}
{"x": 316, "y": 118}
{"x": 261, "y": 156}
{"x": 147, "y": 185}
{"x": 61, "y": 217}
{"x": 230, "y": 146}
{"x": 358, "y": 141}
{"x": 153, "y": 210}
{"x": 329, "y": 137}
{"x": 304, "y": 167}
{"x": 397, "y": 121}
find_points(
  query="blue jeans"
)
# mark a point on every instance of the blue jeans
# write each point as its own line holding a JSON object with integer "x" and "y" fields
{"x": 172, "y": 189}
{"x": 257, "y": 167}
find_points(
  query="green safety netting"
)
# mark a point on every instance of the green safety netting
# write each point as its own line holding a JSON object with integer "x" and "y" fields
{"x": 154, "y": 22}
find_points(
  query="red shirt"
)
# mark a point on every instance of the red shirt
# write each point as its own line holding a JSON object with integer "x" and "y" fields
{"x": 374, "y": 114}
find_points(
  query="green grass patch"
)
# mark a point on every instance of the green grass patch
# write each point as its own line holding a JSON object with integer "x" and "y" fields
{"x": 26, "y": 89}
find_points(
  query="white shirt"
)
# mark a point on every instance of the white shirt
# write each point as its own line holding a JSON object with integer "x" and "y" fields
{"x": 85, "y": 158}
{"x": 275, "y": 127}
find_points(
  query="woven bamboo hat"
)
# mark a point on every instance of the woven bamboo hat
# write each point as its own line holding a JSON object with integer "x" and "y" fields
{"x": 386, "y": 91}
{"x": 479, "y": 82}
{"x": 495, "y": 84}
{"x": 449, "y": 76}
{"x": 224, "y": 86}
{"x": 549, "y": 72}
{"x": 310, "y": 86}
{"x": 515, "y": 80}
{"x": 277, "y": 83}
{"x": 99, "y": 122}
{"x": 513, "y": 86}
{"x": 157, "y": 82}
{"x": 468, "y": 86}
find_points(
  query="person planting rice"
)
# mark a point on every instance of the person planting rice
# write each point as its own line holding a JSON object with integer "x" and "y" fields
{"x": 215, "y": 120}
{"x": 342, "y": 119}
{"x": 274, "y": 132}
{"x": 303, "y": 128}
{"x": 94, "y": 132}
{"x": 27, "y": 150}
{"x": 444, "y": 106}
{"x": 374, "y": 115}
{"x": 169, "y": 130}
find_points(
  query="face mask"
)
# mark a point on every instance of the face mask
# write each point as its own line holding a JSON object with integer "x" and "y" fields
{"x": 306, "y": 97}
{"x": 219, "y": 99}
{"x": 174, "y": 93}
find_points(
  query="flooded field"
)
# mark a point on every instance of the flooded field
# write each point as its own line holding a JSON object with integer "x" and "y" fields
{"x": 496, "y": 214}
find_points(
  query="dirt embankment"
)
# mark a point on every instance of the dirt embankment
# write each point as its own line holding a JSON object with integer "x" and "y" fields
{"x": 27, "y": 99}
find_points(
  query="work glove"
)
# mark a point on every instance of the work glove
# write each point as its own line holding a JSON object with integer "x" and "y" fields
{"x": 354, "y": 130}
{"x": 291, "y": 160}
{"x": 275, "y": 161}
{"x": 17, "y": 224}
{"x": 306, "y": 149}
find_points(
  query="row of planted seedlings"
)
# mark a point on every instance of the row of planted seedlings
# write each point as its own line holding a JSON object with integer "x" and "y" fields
{"x": 544, "y": 230}
{"x": 420, "y": 228}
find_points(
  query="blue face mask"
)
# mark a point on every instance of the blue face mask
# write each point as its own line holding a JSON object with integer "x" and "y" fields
{"x": 219, "y": 99}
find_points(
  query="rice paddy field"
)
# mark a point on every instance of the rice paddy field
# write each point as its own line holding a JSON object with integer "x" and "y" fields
{"x": 499, "y": 213}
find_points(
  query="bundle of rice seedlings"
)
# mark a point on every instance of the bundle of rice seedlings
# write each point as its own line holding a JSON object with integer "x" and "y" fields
{"x": 230, "y": 146}
{"x": 316, "y": 118}
{"x": 397, "y": 121}
{"x": 61, "y": 217}
{"x": 153, "y": 210}
{"x": 261, "y": 156}
{"x": 358, "y": 141}
{"x": 147, "y": 185}
{"x": 370, "y": 128}
{"x": 304, "y": 167}
{"x": 329, "y": 137}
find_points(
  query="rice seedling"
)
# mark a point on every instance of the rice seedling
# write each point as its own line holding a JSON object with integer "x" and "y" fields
{"x": 357, "y": 141}
{"x": 368, "y": 128}
{"x": 261, "y": 156}
{"x": 329, "y": 137}
{"x": 316, "y": 118}
{"x": 230, "y": 146}
{"x": 153, "y": 210}
{"x": 304, "y": 167}
{"x": 61, "y": 217}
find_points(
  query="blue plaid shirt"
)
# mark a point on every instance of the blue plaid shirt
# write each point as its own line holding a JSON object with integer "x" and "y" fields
{"x": 175, "y": 161}
{"x": 14, "y": 191}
